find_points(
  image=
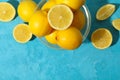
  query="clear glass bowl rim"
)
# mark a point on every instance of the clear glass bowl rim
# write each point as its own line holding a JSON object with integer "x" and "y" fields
{"x": 88, "y": 22}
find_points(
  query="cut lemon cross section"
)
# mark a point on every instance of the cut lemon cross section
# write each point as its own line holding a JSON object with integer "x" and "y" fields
{"x": 7, "y": 12}
{"x": 21, "y": 33}
{"x": 105, "y": 11}
{"x": 60, "y": 17}
{"x": 101, "y": 38}
{"x": 116, "y": 24}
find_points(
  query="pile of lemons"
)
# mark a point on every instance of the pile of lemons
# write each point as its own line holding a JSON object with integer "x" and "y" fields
{"x": 59, "y": 21}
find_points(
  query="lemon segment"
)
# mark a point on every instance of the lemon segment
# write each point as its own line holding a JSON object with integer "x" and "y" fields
{"x": 101, "y": 38}
{"x": 105, "y": 11}
{"x": 7, "y": 12}
{"x": 116, "y": 24}
{"x": 21, "y": 33}
{"x": 60, "y": 17}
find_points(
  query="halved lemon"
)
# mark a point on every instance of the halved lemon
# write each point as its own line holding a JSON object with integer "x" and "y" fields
{"x": 60, "y": 17}
{"x": 101, "y": 38}
{"x": 116, "y": 24}
{"x": 105, "y": 11}
{"x": 7, "y": 11}
{"x": 21, "y": 33}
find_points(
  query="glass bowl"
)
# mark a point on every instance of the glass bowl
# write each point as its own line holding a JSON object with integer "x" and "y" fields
{"x": 85, "y": 31}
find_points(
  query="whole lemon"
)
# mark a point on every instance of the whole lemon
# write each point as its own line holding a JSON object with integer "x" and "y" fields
{"x": 69, "y": 39}
{"x": 48, "y": 5}
{"x": 79, "y": 19}
{"x": 26, "y": 9}
{"x": 51, "y": 38}
{"x": 39, "y": 25}
{"x": 74, "y": 4}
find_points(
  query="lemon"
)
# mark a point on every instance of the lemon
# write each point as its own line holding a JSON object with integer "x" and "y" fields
{"x": 116, "y": 24}
{"x": 48, "y": 5}
{"x": 105, "y": 11}
{"x": 60, "y": 17}
{"x": 101, "y": 38}
{"x": 26, "y": 9}
{"x": 7, "y": 12}
{"x": 51, "y": 38}
{"x": 39, "y": 25}
{"x": 21, "y": 33}
{"x": 74, "y": 4}
{"x": 69, "y": 39}
{"x": 52, "y": 0}
{"x": 79, "y": 19}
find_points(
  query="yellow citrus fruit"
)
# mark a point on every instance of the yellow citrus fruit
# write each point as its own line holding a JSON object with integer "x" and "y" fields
{"x": 79, "y": 19}
{"x": 60, "y": 17}
{"x": 116, "y": 24}
{"x": 105, "y": 11}
{"x": 26, "y": 9}
{"x": 74, "y": 4}
{"x": 69, "y": 39}
{"x": 7, "y": 12}
{"x": 101, "y": 38}
{"x": 48, "y": 5}
{"x": 51, "y": 38}
{"x": 39, "y": 25}
{"x": 52, "y": 0}
{"x": 21, "y": 33}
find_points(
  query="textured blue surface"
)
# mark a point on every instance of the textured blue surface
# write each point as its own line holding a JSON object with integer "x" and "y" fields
{"x": 35, "y": 61}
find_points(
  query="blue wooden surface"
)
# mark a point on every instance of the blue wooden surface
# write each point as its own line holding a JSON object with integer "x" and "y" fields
{"x": 35, "y": 61}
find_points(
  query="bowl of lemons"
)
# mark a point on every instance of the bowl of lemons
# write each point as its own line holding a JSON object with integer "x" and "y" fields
{"x": 61, "y": 24}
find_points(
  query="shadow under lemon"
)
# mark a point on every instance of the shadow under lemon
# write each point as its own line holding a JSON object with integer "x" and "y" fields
{"x": 37, "y": 1}
{"x": 96, "y": 24}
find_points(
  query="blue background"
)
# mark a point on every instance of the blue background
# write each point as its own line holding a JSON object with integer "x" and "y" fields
{"x": 35, "y": 61}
